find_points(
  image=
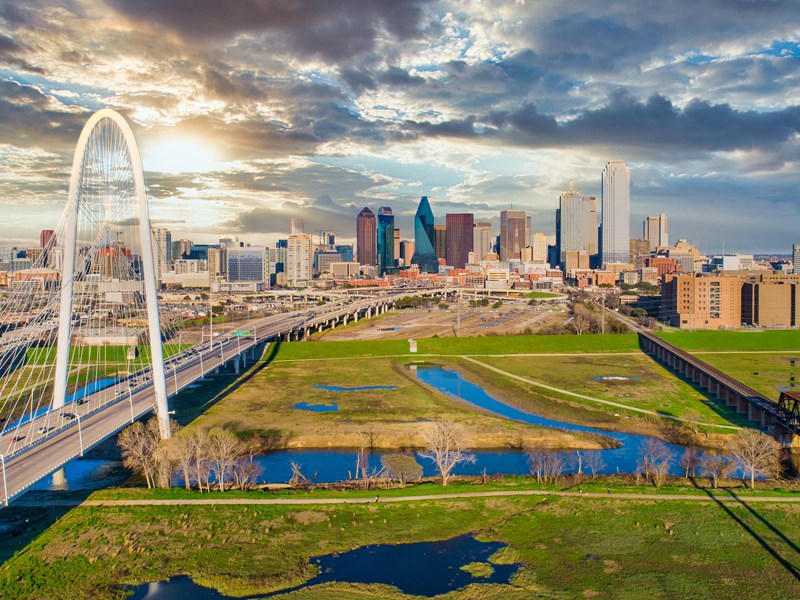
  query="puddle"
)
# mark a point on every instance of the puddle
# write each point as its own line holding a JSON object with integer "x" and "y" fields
{"x": 363, "y": 388}
{"x": 332, "y": 407}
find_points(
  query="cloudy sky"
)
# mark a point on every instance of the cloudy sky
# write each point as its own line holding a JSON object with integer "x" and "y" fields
{"x": 249, "y": 112}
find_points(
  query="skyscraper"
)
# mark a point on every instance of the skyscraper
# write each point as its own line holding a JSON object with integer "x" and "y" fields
{"x": 424, "y": 242}
{"x": 247, "y": 264}
{"x": 366, "y": 238}
{"x": 297, "y": 225}
{"x": 482, "y": 239}
{"x": 299, "y": 259}
{"x": 655, "y": 230}
{"x": 616, "y": 203}
{"x": 440, "y": 240}
{"x": 459, "y": 239}
{"x": 385, "y": 239}
{"x": 163, "y": 258}
{"x": 515, "y": 233}
{"x": 577, "y": 223}
{"x": 539, "y": 247}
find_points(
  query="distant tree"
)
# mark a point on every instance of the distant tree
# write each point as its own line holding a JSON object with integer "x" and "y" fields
{"x": 139, "y": 443}
{"x": 655, "y": 459}
{"x": 401, "y": 466}
{"x": 546, "y": 465}
{"x": 497, "y": 304}
{"x": 593, "y": 459}
{"x": 690, "y": 461}
{"x": 756, "y": 453}
{"x": 224, "y": 449}
{"x": 716, "y": 466}
{"x": 447, "y": 447}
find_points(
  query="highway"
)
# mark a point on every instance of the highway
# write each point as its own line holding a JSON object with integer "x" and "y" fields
{"x": 44, "y": 444}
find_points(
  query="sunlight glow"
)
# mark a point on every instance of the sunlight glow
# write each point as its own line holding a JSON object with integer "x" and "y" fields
{"x": 181, "y": 155}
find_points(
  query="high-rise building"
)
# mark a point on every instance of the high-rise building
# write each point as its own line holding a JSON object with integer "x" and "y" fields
{"x": 296, "y": 225}
{"x": 639, "y": 252}
{"x": 425, "y": 256}
{"x": 407, "y": 248}
{"x": 47, "y": 242}
{"x": 482, "y": 239}
{"x": 366, "y": 238}
{"x": 616, "y": 211}
{"x": 299, "y": 259}
{"x": 459, "y": 239}
{"x": 385, "y": 240}
{"x": 655, "y": 230}
{"x": 217, "y": 262}
{"x": 163, "y": 258}
{"x": 184, "y": 249}
{"x": 796, "y": 258}
{"x": 440, "y": 240}
{"x": 539, "y": 247}
{"x": 229, "y": 241}
{"x": 345, "y": 251}
{"x": 577, "y": 222}
{"x": 247, "y": 264}
{"x": 515, "y": 233}
{"x": 396, "y": 250}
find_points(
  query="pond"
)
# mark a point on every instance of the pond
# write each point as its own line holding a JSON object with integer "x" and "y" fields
{"x": 363, "y": 388}
{"x": 332, "y": 407}
{"x": 419, "y": 569}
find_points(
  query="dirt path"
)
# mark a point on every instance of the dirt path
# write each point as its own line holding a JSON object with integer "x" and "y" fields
{"x": 497, "y": 494}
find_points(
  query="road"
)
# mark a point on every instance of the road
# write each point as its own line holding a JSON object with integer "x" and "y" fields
{"x": 44, "y": 444}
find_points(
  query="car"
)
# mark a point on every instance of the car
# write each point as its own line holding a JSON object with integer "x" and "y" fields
{"x": 68, "y": 416}
{"x": 43, "y": 430}
{"x": 119, "y": 392}
{"x": 81, "y": 401}
{"x": 17, "y": 438}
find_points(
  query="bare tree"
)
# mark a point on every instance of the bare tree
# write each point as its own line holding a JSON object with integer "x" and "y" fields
{"x": 690, "y": 461}
{"x": 401, "y": 466}
{"x": 654, "y": 461}
{"x": 180, "y": 450}
{"x": 594, "y": 461}
{"x": 223, "y": 450}
{"x": 546, "y": 465}
{"x": 716, "y": 466}
{"x": 201, "y": 462}
{"x": 139, "y": 443}
{"x": 446, "y": 447}
{"x": 245, "y": 472}
{"x": 578, "y": 462}
{"x": 757, "y": 454}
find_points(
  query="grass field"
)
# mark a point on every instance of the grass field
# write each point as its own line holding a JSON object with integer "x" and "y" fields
{"x": 647, "y": 385}
{"x": 735, "y": 341}
{"x": 398, "y": 415}
{"x": 567, "y": 547}
{"x": 519, "y": 344}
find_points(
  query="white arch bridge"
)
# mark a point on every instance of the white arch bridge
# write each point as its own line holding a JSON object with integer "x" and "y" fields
{"x": 84, "y": 349}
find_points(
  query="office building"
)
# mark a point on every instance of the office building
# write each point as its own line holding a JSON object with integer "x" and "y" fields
{"x": 366, "y": 238}
{"x": 655, "y": 230}
{"x": 539, "y": 247}
{"x": 482, "y": 239}
{"x": 163, "y": 250}
{"x": 407, "y": 249}
{"x": 324, "y": 258}
{"x": 299, "y": 259}
{"x": 296, "y": 226}
{"x": 229, "y": 241}
{"x": 217, "y": 261}
{"x": 515, "y": 233}
{"x": 396, "y": 250}
{"x": 639, "y": 252}
{"x": 440, "y": 240}
{"x": 771, "y": 302}
{"x": 425, "y": 256}
{"x": 616, "y": 213}
{"x": 247, "y": 264}
{"x": 385, "y": 240}
{"x": 576, "y": 219}
{"x": 796, "y": 259}
{"x": 459, "y": 239}
{"x": 345, "y": 251}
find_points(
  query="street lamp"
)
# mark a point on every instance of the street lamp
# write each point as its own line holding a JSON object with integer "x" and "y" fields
{"x": 5, "y": 482}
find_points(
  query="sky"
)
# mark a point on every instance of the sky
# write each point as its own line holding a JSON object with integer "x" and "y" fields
{"x": 251, "y": 112}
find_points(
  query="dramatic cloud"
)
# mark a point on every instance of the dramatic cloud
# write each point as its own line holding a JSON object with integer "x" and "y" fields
{"x": 249, "y": 112}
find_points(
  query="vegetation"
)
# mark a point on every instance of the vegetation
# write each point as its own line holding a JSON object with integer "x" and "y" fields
{"x": 734, "y": 341}
{"x": 567, "y": 547}
{"x": 447, "y": 447}
{"x": 756, "y": 453}
{"x": 401, "y": 466}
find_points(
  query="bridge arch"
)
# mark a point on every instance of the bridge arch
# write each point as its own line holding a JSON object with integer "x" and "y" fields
{"x": 107, "y": 174}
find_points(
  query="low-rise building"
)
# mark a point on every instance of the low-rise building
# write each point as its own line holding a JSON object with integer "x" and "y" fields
{"x": 698, "y": 302}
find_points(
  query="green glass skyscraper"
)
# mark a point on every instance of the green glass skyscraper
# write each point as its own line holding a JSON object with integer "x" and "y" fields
{"x": 424, "y": 252}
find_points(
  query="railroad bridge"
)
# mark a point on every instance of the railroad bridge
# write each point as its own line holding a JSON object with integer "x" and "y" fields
{"x": 781, "y": 420}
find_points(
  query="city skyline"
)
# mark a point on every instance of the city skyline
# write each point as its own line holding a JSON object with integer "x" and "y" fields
{"x": 252, "y": 115}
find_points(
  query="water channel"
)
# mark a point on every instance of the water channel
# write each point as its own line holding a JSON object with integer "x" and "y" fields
{"x": 326, "y": 466}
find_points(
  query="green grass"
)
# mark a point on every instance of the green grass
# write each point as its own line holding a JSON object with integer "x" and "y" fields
{"x": 567, "y": 547}
{"x": 95, "y": 354}
{"x": 734, "y": 341}
{"x": 518, "y": 344}
{"x": 765, "y": 373}
{"x": 542, "y": 295}
{"x": 649, "y": 385}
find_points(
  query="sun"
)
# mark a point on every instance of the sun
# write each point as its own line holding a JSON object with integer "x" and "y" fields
{"x": 180, "y": 155}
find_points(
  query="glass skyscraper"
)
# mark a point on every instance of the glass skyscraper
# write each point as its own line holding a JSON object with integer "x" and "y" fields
{"x": 616, "y": 202}
{"x": 366, "y": 232}
{"x": 385, "y": 240}
{"x": 424, "y": 252}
